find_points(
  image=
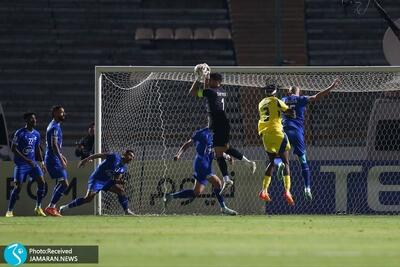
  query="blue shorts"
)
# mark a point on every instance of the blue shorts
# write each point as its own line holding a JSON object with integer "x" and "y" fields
{"x": 56, "y": 171}
{"x": 22, "y": 171}
{"x": 100, "y": 185}
{"x": 202, "y": 170}
{"x": 296, "y": 139}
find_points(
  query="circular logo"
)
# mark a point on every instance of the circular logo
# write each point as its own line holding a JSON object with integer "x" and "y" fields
{"x": 15, "y": 254}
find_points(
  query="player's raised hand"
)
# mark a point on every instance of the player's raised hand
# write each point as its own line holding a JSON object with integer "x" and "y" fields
{"x": 177, "y": 157}
{"x": 335, "y": 83}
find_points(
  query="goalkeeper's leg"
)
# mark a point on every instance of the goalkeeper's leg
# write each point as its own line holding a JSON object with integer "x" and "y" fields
{"x": 238, "y": 155}
{"x": 227, "y": 182}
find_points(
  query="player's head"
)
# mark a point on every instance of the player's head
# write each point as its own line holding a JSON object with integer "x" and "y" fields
{"x": 58, "y": 113}
{"x": 128, "y": 156}
{"x": 293, "y": 90}
{"x": 270, "y": 89}
{"x": 215, "y": 80}
{"x": 30, "y": 119}
{"x": 91, "y": 129}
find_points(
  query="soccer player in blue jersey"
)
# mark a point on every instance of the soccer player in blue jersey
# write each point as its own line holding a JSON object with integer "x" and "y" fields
{"x": 106, "y": 177}
{"x": 55, "y": 161}
{"x": 26, "y": 148}
{"x": 203, "y": 172}
{"x": 294, "y": 127}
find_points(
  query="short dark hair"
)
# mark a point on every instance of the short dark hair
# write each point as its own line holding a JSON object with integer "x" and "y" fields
{"x": 91, "y": 124}
{"x": 269, "y": 89}
{"x": 216, "y": 76}
{"x": 54, "y": 109}
{"x": 28, "y": 114}
{"x": 129, "y": 151}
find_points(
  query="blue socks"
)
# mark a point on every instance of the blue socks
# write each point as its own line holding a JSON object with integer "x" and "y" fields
{"x": 188, "y": 193}
{"x": 305, "y": 171}
{"x": 123, "y": 200}
{"x": 58, "y": 192}
{"x": 76, "y": 202}
{"x": 39, "y": 194}
{"x": 13, "y": 198}
{"x": 220, "y": 198}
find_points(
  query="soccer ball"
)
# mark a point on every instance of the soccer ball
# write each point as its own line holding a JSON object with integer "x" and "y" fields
{"x": 202, "y": 71}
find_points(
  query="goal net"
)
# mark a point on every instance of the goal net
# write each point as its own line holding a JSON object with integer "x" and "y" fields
{"x": 352, "y": 137}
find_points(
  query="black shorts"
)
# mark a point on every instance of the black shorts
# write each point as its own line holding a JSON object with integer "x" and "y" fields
{"x": 221, "y": 129}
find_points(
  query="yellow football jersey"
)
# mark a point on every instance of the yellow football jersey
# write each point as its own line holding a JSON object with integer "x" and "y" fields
{"x": 270, "y": 109}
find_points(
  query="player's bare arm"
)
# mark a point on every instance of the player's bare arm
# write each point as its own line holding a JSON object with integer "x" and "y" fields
{"x": 118, "y": 179}
{"x": 324, "y": 92}
{"x": 194, "y": 88}
{"x": 91, "y": 158}
{"x": 57, "y": 151}
{"x": 39, "y": 157}
{"x": 182, "y": 149}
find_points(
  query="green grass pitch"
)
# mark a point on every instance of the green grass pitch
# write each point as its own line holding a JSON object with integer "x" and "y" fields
{"x": 218, "y": 240}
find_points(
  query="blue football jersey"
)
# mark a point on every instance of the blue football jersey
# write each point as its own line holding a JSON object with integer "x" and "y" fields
{"x": 298, "y": 104}
{"x": 203, "y": 142}
{"x": 26, "y": 143}
{"x": 53, "y": 131}
{"x": 109, "y": 168}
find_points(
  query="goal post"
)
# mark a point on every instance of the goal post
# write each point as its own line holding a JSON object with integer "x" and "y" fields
{"x": 351, "y": 136}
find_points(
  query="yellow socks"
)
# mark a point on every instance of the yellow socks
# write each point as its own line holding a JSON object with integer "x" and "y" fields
{"x": 286, "y": 182}
{"x": 266, "y": 182}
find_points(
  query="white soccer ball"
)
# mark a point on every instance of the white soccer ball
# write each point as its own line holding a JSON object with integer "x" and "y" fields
{"x": 202, "y": 71}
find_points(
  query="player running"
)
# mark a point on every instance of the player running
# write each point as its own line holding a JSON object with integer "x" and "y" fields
{"x": 294, "y": 128}
{"x": 275, "y": 141}
{"x": 203, "y": 173}
{"x": 56, "y": 163}
{"x": 219, "y": 123}
{"x": 26, "y": 148}
{"x": 106, "y": 177}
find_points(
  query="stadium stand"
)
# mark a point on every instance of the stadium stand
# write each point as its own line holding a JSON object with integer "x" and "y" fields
{"x": 342, "y": 37}
{"x": 48, "y": 49}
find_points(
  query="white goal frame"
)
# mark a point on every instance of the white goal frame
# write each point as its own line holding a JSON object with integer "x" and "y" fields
{"x": 231, "y": 69}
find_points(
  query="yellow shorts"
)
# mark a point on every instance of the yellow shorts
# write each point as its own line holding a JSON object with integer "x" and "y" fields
{"x": 276, "y": 142}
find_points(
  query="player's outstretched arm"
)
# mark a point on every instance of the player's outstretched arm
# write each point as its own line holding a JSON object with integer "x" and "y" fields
{"x": 194, "y": 88}
{"x": 324, "y": 92}
{"x": 182, "y": 149}
{"x": 91, "y": 158}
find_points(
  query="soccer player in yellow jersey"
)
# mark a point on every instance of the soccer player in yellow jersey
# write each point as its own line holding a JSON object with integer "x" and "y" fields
{"x": 275, "y": 141}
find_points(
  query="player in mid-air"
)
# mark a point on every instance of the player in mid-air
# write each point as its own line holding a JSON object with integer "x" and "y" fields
{"x": 106, "y": 177}
{"x": 55, "y": 161}
{"x": 275, "y": 141}
{"x": 203, "y": 172}
{"x": 294, "y": 127}
{"x": 26, "y": 148}
{"x": 219, "y": 123}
